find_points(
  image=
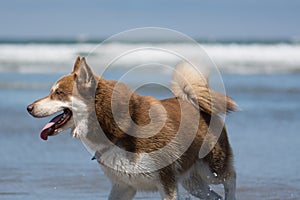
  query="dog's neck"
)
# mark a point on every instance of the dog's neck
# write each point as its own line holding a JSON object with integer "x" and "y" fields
{"x": 103, "y": 102}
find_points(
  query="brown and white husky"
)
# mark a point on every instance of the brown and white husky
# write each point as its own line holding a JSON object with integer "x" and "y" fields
{"x": 145, "y": 144}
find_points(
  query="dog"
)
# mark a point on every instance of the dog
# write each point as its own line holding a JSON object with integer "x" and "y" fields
{"x": 145, "y": 144}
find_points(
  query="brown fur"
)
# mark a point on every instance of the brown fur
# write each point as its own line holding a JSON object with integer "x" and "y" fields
{"x": 217, "y": 159}
{"x": 177, "y": 110}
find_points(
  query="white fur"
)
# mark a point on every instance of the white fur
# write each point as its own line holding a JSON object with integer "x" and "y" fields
{"x": 80, "y": 115}
{"x": 186, "y": 78}
{"x": 55, "y": 86}
{"x": 46, "y": 107}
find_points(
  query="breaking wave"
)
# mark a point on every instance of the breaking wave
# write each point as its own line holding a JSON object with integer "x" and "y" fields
{"x": 229, "y": 58}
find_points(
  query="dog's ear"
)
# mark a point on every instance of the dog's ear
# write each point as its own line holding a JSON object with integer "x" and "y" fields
{"x": 83, "y": 73}
{"x": 76, "y": 64}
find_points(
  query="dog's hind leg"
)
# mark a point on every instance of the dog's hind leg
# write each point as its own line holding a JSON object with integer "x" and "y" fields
{"x": 122, "y": 192}
{"x": 197, "y": 187}
{"x": 230, "y": 186}
{"x": 168, "y": 185}
{"x": 196, "y": 182}
{"x": 168, "y": 194}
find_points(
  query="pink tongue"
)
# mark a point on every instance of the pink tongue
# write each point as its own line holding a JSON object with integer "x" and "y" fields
{"x": 45, "y": 130}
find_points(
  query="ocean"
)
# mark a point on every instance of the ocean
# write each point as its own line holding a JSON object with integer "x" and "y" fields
{"x": 262, "y": 77}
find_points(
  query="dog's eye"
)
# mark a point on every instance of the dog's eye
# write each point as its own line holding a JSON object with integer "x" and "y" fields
{"x": 58, "y": 92}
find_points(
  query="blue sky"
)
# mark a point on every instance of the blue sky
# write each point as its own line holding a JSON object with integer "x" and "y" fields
{"x": 212, "y": 19}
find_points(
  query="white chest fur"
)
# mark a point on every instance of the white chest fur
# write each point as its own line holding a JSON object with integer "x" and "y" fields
{"x": 127, "y": 168}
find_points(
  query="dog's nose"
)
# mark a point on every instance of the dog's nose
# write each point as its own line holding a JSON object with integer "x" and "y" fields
{"x": 30, "y": 108}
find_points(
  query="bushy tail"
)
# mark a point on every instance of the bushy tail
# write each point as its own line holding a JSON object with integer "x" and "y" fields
{"x": 189, "y": 84}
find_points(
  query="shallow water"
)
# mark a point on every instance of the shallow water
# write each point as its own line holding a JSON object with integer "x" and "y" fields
{"x": 264, "y": 136}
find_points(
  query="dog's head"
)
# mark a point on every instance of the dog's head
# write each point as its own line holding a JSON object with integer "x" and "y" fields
{"x": 68, "y": 95}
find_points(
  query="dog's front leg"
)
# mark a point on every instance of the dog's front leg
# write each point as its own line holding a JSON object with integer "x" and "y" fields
{"x": 122, "y": 192}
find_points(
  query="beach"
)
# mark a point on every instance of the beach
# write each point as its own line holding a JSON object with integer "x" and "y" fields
{"x": 264, "y": 135}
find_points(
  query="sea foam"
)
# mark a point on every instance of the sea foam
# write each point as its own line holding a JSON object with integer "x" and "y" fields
{"x": 229, "y": 58}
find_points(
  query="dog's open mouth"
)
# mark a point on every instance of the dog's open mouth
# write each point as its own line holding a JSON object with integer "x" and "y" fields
{"x": 57, "y": 122}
